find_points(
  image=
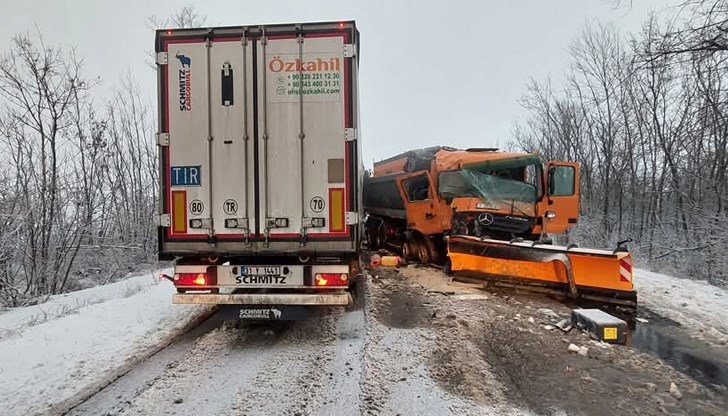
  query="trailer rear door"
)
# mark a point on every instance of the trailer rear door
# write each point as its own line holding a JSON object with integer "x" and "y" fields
{"x": 303, "y": 156}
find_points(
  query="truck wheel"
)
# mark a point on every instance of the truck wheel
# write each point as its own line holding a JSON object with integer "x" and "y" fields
{"x": 424, "y": 255}
{"x": 427, "y": 251}
{"x": 407, "y": 253}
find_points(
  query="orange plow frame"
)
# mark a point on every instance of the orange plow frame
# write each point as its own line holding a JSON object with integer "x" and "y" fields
{"x": 600, "y": 276}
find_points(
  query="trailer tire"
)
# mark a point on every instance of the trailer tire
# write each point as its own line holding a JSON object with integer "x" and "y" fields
{"x": 358, "y": 293}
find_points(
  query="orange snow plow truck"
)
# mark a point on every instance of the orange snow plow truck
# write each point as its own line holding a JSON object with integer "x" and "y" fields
{"x": 486, "y": 215}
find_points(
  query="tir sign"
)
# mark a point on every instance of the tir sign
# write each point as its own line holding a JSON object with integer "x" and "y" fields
{"x": 186, "y": 175}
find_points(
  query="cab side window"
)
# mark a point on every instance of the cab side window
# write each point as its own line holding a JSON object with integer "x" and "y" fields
{"x": 561, "y": 181}
{"x": 417, "y": 188}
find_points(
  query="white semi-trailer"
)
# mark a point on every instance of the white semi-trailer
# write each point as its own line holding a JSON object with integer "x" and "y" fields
{"x": 260, "y": 162}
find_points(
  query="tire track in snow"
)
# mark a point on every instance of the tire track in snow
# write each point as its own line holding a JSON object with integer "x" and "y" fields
{"x": 211, "y": 373}
{"x": 291, "y": 380}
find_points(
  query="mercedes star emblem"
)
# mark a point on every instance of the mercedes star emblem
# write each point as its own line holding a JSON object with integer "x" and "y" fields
{"x": 485, "y": 218}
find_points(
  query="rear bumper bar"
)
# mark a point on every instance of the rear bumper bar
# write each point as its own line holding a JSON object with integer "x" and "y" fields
{"x": 325, "y": 299}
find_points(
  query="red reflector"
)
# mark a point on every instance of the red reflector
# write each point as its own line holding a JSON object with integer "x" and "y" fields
{"x": 331, "y": 279}
{"x": 341, "y": 25}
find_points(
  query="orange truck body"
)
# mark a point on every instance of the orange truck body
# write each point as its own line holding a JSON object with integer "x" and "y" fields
{"x": 475, "y": 210}
{"x": 439, "y": 191}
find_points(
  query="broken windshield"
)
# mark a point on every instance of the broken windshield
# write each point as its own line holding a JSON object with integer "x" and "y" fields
{"x": 494, "y": 188}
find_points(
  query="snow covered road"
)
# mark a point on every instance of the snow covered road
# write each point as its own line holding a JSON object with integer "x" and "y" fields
{"x": 337, "y": 362}
{"x": 66, "y": 348}
{"x": 412, "y": 345}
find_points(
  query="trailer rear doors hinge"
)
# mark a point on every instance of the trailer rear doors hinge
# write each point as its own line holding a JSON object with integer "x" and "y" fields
{"x": 352, "y": 218}
{"x": 164, "y": 220}
{"x": 350, "y": 134}
{"x": 349, "y": 50}
{"x": 313, "y": 222}
{"x": 201, "y": 223}
{"x": 240, "y": 223}
{"x": 163, "y": 139}
{"x": 162, "y": 58}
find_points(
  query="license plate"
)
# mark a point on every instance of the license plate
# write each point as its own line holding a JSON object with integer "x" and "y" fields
{"x": 485, "y": 206}
{"x": 260, "y": 276}
{"x": 260, "y": 271}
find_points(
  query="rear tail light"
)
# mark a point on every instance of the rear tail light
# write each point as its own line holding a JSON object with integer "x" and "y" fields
{"x": 206, "y": 279}
{"x": 332, "y": 279}
{"x": 200, "y": 279}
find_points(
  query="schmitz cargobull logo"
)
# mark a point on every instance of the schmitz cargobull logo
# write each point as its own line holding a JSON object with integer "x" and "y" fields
{"x": 185, "y": 82}
{"x": 260, "y": 313}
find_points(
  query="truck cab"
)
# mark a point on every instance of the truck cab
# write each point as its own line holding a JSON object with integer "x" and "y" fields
{"x": 417, "y": 198}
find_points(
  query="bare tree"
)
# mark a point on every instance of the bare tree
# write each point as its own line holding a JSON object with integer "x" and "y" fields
{"x": 78, "y": 181}
{"x": 185, "y": 17}
{"x": 647, "y": 120}
{"x": 39, "y": 87}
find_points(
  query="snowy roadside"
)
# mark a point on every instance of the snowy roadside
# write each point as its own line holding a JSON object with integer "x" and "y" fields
{"x": 63, "y": 349}
{"x": 696, "y": 305}
{"x": 15, "y": 320}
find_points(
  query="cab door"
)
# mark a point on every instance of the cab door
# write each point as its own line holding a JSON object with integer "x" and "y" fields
{"x": 560, "y": 209}
{"x": 421, "y": 204}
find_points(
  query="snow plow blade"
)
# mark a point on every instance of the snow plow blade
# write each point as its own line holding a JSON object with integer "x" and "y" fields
{"x": 588, "y": 276}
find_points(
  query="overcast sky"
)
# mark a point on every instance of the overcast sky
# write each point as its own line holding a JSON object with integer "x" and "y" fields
{"x": 437, "y": 72}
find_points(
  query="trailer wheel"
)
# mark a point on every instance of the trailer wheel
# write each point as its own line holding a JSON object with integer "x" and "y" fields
{"x": 357, "y": 292}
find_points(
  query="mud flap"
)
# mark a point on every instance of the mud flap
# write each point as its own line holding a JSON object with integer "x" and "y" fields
{"x": 261, "y": 313}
